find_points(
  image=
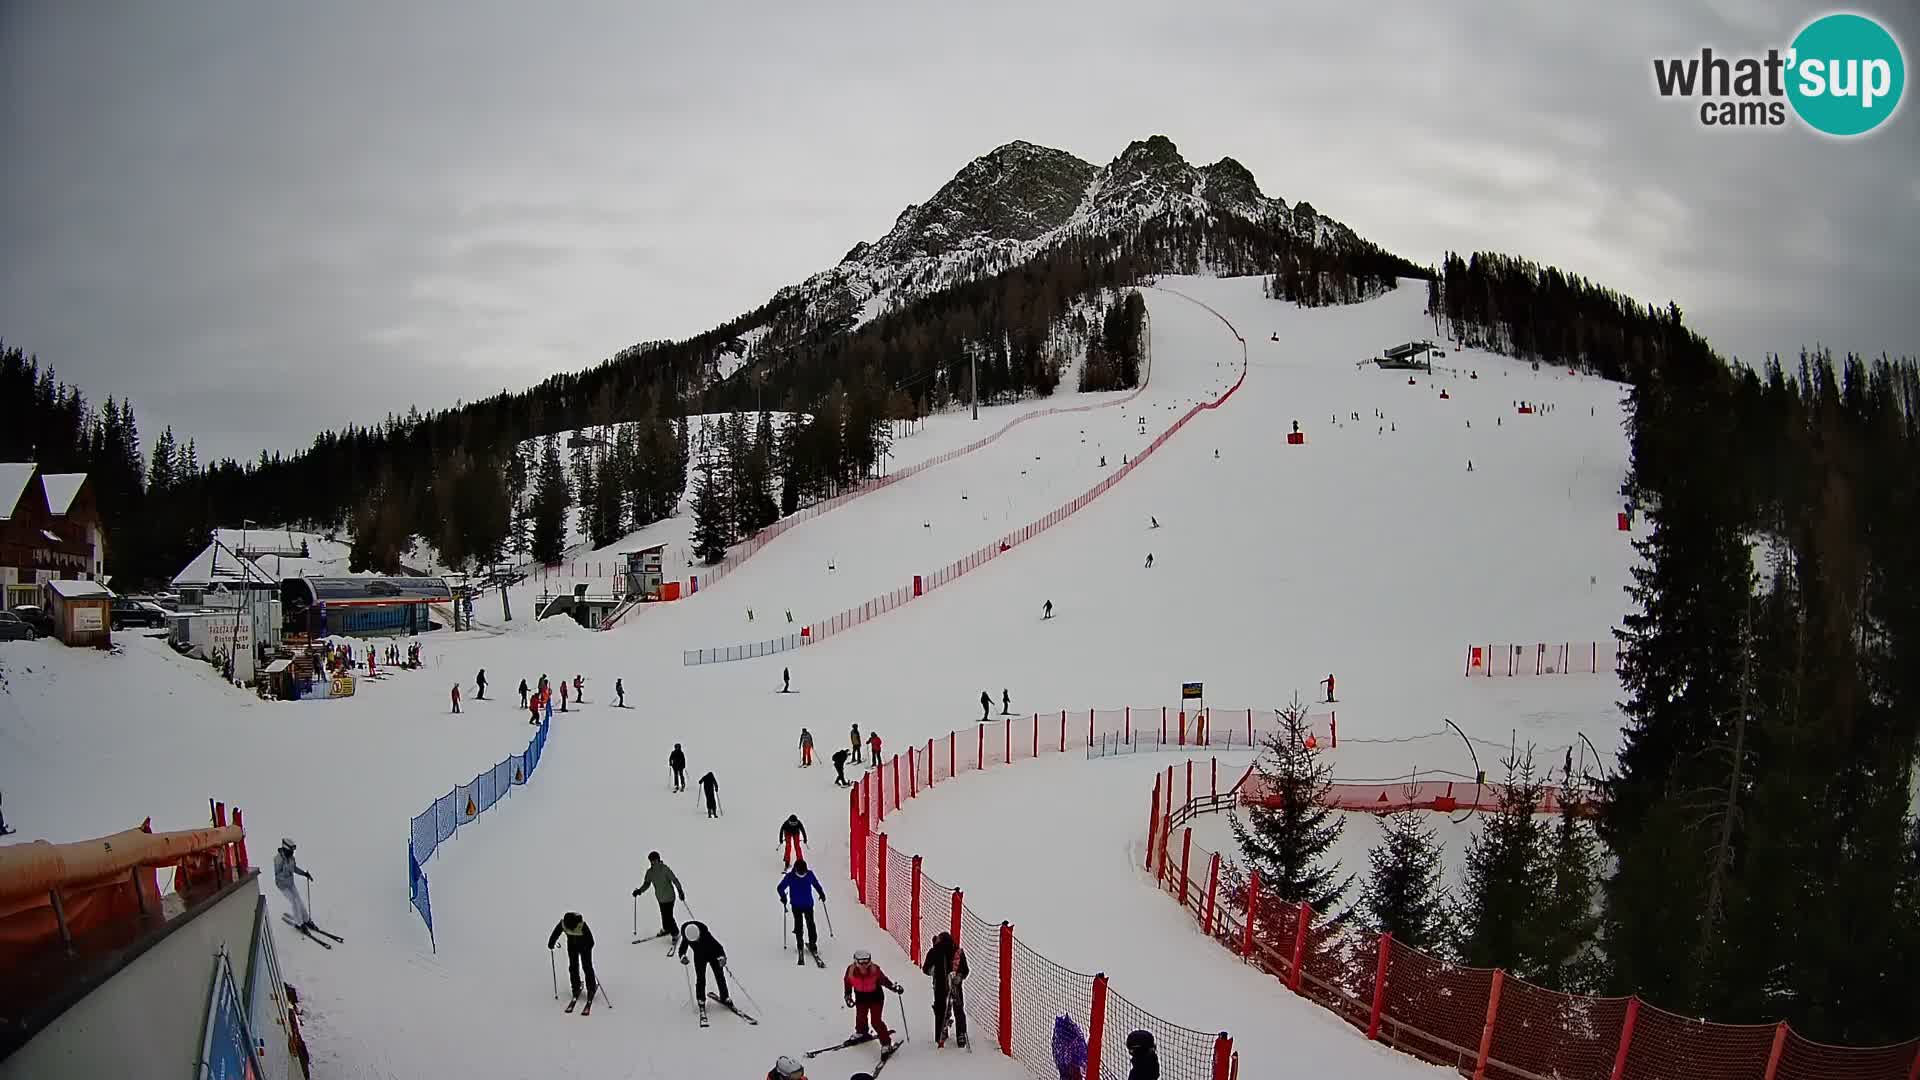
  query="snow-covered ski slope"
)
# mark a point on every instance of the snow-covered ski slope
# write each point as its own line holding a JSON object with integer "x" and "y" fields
{"x": 1372, "y": 554}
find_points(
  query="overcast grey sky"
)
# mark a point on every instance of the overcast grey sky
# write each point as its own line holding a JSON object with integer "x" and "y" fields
{"x": 262, "y": 220}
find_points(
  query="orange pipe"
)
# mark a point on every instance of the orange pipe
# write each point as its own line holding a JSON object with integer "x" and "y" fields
{"x": 31, "y": 870}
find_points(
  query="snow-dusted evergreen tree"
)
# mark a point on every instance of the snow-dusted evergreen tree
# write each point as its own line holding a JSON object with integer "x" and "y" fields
{"x": 551, "y": 498}
{"x": 1289, "y": 836}
{"x": 1506, "y": 878}
{"x": 1403, "y": 894}
{"x": 711, "y": 516}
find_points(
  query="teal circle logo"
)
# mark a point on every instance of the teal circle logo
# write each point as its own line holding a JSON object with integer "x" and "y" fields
{"x": 1847, "y": 75}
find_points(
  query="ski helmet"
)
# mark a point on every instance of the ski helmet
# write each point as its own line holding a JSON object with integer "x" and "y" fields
{"x": 653, "y": 856}
{"x": 286, "y": 844}
{"x": 862, "y": 956}
{"x": 692, "y": 932}
{"x": 799, "y": 866}
{"x": 1139, "y": 1039}
{"x": 787, "y": 1069}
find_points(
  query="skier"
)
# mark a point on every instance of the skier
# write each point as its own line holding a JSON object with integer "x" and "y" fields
{"x": 456, "y": 698}
{"x": 1149, "y": 560}
{"x": 863, "y": 987}
{"x": 563, "y": 695}
{"x": 946, "y": 964}
{"x": 788, "y": 1069}
{"x": 1145, "y": 1058}
{"x": 579, "y": 954}
{"x": 677, "y": 761}
{"x": 840, "y": 768}
{"x": 786, "y": 681}
{"x": 284, "y": 869}
{"x": 792, "y": 836}
{"x": 5, "y": 831}
{"x": 1153, "y": 522}
{"x": 854, "y": 734}
{"x": 873, "y": 745}
{"x": 710, "y": 787}
{"x": 789, "y": 615}
{"x": 619, "y": 695}
{"x": 1006, "y": 702}
{"x": 1046, "y": 610}
{"x": 1069, "y": 1048}
{"x": 1328, "y": 681}
{"x": 749, "y": 614}
{"x": 523, "y": 693}
{"x": 664, "y": 883}
{"x": 797, "y": 889}
{"x": 707, "y": 953}
{"x": 480, "y": 681}
{"x": 986, "y": 706}
{"x": 806, "y": 749}
{"x": 533, "y": 710}
{"x": 579, "y": 689}
{"x": 1103, "y": 461}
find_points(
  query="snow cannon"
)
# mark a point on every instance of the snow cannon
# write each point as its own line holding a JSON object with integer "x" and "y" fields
{"x": 1296, "y": 437}
{"x": 1444, "y": 396}
{"x": 1526, "y": 409}
{"x": 1410, "y": 381}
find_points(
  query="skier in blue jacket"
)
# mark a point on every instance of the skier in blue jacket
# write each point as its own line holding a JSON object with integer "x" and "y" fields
{"x": 798, "y": 889}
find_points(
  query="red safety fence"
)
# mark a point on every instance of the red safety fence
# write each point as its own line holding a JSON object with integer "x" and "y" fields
{"x": 925, "y": 583}
{"x": 1481, "y": 1022}
{"x": 1544, "y": 658}
{"x": 1014, "y": 993}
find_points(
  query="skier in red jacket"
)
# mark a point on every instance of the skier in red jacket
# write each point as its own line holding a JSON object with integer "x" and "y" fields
{"x": 864, "y": 987}
{"x": 873, "y": 744}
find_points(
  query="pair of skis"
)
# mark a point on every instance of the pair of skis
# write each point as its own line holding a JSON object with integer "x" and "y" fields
{"x": 727, "y": 1005}
{"x": 585, "y": 1011}
{"x": 815, "y": 951}
{"x": 886, "y": 1055}
{"x": 315, "y": 934}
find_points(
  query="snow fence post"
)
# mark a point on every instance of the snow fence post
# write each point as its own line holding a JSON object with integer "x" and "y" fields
{"x": 1379, "y": 987}
{"x": 980, "y": 747}
{"x": 1186, "y": 855}
{"x": 959, "y": 903}
{"x": 1222, "y": 1056}
{"x": 1333, "y": 726}
{"x": 1153, "y": 821}
{"x": 1008, "y": 726}
{"x": 853, "y": 843}
{"x": 1213, "y": 892}
{"x": 1486, "y": 1033}
{"x": 1189, "y": 801}
{"x": 1299, "y": 945}
{"x": 913, "y": 774}
{"x": 1181, "y": 731}
{"x": 1006, "y": 989}
{"x": 1626, "y": 1041}
{"x": 1063, "y": 731}
{"x": 1036, "y": 735}
{"x": 951, "y": 772}
{"x": 1773, "y": 1056}
{"x": 896, "y": 781}
{"x": 1097, "y": 1024}
{"x": 1215, "y": 791}
{"x": 1163, "y": 725}
{"x": 913, "y": 917}
{"x": 1089, "y": 730}
{"x": 1253, "y": 909}
{"x": 1249, "y": 729}
{"x": 1128, "y": 729}
{"x": 881, "y": 873}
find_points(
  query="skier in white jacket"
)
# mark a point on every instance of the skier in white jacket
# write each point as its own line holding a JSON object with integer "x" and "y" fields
{"x": 284, "y": 869}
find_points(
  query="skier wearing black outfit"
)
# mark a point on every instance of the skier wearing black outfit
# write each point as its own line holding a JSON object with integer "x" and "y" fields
{"x": 481, "y": 679}
{"x": 793, "y": 836}
{"x": 986, "y": 705}
{"x": 946, "y": 964}
{"x": 840, "y": 767}
{"x": 523, "y": 693}
{"x": 854, "y": 734}
{"x": 579, "y": 952}
{"x": 677, "y": 761}
{"x": 710, "y": 787}
{"x": 707, "y": 953}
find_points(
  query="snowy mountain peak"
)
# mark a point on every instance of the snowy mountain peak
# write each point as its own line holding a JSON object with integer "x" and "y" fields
{"x": 1018, "y": 191}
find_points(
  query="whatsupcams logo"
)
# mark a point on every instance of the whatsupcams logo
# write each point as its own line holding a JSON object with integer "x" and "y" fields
{"x": 1842, "y": 75}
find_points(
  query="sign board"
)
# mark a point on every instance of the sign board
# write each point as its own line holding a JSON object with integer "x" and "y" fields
{"x": 91, "y": 617}
{"x": 230, "y": 634}
{"x": 1190, "y": 691}
{"x": 226, "y": 1053}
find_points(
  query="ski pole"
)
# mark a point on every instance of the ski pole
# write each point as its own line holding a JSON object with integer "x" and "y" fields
{"x": 906, "y": 1032}
{"x": 636, "y": 914}
{"x": 742, "y": 987}
{"x": 829, "y": 911}
{"x": 553, "y": 967}
{"x": 783, "y": 926}
{"x": 601, "y": 989}
{"x": 310, "y": 898}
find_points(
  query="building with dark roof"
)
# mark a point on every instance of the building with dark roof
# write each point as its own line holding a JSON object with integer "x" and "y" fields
{"x": 361, "y": 606}
{"x": 49, "y": 529}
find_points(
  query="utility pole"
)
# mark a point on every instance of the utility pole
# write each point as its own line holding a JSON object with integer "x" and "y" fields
{"x": 973, "y": 369}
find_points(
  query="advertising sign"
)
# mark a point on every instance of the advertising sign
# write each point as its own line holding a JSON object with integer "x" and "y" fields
{"x": 89, "y": 618}
{"x": 227, "y": 1051}
{"x": 1190, "y": 691}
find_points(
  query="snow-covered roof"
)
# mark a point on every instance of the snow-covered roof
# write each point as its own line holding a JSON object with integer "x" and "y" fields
{"x": 14, "y": 477}
{"x": 77, "y": 590}
{"x": 218, "y": 563}
{"x": 61, "y": 488}
{"x": 280, "y": 567}
{"x": 258, "y": 538}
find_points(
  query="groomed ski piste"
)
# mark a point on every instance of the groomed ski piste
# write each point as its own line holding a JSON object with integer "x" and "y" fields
{"x": 1370, "y": 552}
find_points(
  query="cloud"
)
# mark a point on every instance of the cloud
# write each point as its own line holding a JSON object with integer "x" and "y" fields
{"x": 261, "y": 223}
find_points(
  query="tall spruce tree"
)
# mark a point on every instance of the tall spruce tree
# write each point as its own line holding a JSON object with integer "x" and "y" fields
{"x": 711, "y": 516}
{"x": 1567, "y": 921}
{"x": 1288, "y": 834}
{"x": 1505, "y": 877}
{"x": 1404, "y": 894}
{"x": 551, "y": 498}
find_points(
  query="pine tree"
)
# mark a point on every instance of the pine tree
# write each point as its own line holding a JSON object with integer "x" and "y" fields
{"x": 1289, "y": 833}
{"x": 586, "y": 490}
{"x": 1567, "y": 923}
{"x": 1404, "y": 894}
{"x": 711, "y": 517}
{"x": 551, "y": 499}
{"x": 160, "y": 475}
{"x": 1505, "y": 878}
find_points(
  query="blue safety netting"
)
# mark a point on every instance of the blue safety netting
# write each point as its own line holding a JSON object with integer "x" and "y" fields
{"x": 459, "y": 807}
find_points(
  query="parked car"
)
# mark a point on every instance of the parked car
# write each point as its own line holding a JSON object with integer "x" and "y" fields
{"x": 14, "y": 628}
{"x": 127, "y": 611}
{"x": 35, "y": 616}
